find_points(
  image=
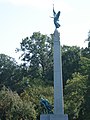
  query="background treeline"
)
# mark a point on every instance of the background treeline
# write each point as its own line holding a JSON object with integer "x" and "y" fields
{"x": 22, "y": 85}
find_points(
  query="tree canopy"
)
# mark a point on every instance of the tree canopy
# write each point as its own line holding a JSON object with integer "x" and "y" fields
{"x": 23, "y": 85}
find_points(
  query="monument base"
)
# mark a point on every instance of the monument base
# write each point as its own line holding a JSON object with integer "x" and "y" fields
{"x": 53, "y": 117}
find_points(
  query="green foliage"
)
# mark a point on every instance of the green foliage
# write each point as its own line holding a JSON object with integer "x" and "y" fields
{"x": 85, "y": 52}
{"x": 8, "y": 67}
{"x": 88, "y": 39}
{"x": 12, "y": 107}
{"x": 37, "y": 52}
{"x": 34, "y": 79}
{"x": 10, "y": 72}
{"x": 86, "y": 105}
{"x": 37, "y": 89}
{"x": 70, "y": 61}
{"x": 84, "y": 66}
{"x": 74, "y": 93}
{"x": 85, "y": 111}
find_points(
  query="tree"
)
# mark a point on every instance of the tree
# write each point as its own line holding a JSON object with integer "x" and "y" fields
{"x": 37, "y": 55}
{"x": 74, "y": 93}
{"x": 10, "y": 72}
{"x": 7, "y": 68}
{"x": 70, "y": 61}
{"x": 86, "y": 51}
{"x": 84, "y": 66}
{"x": 85, "y": 70}
{"x": 88, "y": 39}
{"x": 35, "y": 90}
{"x": 86, "y": 106}
{"x": 12, "y": 107}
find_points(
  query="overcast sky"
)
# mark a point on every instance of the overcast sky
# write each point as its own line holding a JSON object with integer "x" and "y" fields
{"x": 20, "y": 18}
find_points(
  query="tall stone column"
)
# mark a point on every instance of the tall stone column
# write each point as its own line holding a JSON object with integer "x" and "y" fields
{"x": 58, "y": 84}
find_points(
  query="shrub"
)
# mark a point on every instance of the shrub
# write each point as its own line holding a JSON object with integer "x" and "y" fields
{"x": 12, "y": 107}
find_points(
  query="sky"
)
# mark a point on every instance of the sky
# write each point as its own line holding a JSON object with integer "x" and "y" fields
{"x": 20, "y": 18}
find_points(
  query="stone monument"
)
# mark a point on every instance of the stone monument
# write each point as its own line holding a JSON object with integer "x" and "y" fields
{"x": 58, "y": 84}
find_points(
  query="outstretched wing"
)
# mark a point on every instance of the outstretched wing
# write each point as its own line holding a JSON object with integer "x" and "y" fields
{"x": 57, "y": 15}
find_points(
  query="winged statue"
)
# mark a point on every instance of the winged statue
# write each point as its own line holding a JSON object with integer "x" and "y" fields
{"x": 56, "y": 18}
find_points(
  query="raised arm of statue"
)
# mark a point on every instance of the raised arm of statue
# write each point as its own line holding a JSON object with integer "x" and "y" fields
{"x": 56, "y": 18}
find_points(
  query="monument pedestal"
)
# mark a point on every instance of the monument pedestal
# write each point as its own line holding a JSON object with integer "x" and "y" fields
{"x": 53, "y": 117}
